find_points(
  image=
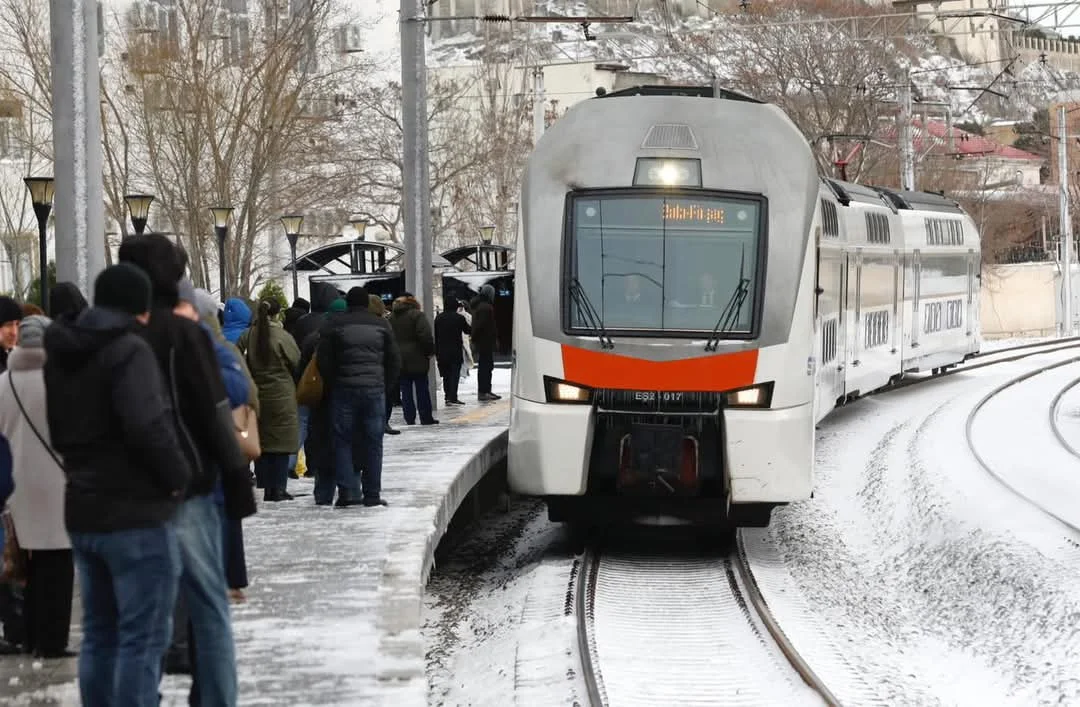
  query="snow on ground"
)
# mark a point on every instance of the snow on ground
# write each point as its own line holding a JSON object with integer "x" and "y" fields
{"x": 498, "y": 626}
{"x": 989, "y": 345}
{"x": 308, "y": 634}
{"x": 939, "y": 585}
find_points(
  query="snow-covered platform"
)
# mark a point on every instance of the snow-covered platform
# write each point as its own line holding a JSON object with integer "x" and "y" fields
{"x": 334, "y": 609}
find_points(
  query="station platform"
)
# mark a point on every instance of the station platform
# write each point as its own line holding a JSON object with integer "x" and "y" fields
{"x": 333, "y": 611}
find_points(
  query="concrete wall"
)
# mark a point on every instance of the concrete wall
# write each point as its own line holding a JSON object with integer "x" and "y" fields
{"x": 1019, "y": 300}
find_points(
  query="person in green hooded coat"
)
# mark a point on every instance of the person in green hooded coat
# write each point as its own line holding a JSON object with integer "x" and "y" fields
{"x": 272, "y": 356}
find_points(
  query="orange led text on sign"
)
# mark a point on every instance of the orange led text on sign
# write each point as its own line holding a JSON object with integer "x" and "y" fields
{"x": 692, "y": 212}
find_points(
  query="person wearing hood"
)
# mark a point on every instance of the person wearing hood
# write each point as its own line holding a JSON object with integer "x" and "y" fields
{"x": 126, "y": 475}
{"x": 272, "y": 355}
{"x": 37, "y": 507}
{"x": 318, "y": 447}
{"x": 237, "y": 319}
{"x": 416, "y": 342}
{"x": 293, "y": 314}
{"x": 66, "y": 301}
{"x": 484, "y": 337}
{"x": 450, "y": 328}
{"x": 205, "y": 426}
{"x": 323, "y": 295}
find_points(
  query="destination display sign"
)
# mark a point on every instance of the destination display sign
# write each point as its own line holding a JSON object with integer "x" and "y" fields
{"x": 692, "y": 213}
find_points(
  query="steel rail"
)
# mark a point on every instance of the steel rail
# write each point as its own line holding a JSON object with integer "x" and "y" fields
{"x": 753, "y": 592}
{"x": 982, "y": 460}
{"x": 1054, "y": 405}
{"x": 585, "y": 595}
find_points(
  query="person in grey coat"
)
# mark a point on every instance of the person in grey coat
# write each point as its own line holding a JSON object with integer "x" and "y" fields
{"x": 37, "y": 506}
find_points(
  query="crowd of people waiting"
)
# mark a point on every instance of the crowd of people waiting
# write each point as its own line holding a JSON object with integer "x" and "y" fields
{"x": 128, "y": 431}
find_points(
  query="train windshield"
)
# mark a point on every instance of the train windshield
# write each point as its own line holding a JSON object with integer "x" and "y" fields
{"x": 666, "y": 262}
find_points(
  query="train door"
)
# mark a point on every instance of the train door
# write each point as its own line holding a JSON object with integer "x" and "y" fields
{"x": 895, "y": 331}
{"x": 916, "y": 275}
{"x": 828, "y": 380}
{"x": 842, "y": 324}
{"x": 856, "y": 338}
{"x": 972, "y": 305}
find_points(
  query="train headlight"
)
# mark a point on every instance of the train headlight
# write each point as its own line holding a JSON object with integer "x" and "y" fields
{"x": 667, "y": 172}
{"x": 757, "y": 396}
{"x": 559, "y": 391}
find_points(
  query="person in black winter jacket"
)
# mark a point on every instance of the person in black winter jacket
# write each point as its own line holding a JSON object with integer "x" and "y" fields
{"x": 484, "y": 337}
{"x": 322, "y": 296}
{"x": 356, "y": 356}
{"x": 300, "y": 308}
{"x": 204, "y": 423}
{"x": 450, "y": 326}
{"x": 126, "y": 477}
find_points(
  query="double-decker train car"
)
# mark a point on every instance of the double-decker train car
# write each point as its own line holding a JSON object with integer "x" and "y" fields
{"x": 692, "y": 298}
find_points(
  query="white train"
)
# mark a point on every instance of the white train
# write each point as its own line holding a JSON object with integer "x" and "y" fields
{"x": 691, "y": 298}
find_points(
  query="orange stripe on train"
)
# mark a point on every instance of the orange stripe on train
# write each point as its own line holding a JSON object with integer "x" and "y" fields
{"x": 708, "y": 373}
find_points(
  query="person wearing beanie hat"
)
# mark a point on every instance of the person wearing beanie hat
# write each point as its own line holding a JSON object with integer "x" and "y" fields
{"x": 359, "y": 361}
{"x": 127, "y": 474}
{"x": 204, "y": 424}
{"x": 124, "y": 288}
{"x": 37, "y": 506}
{"x": 338, "y": 305}
{"x": 66, "y": 301}
{"x": 295, "y": 313}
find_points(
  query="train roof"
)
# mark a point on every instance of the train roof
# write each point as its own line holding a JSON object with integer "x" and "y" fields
{"x": 921, "y": 201}
{"x": 694, "y": 91}
{"x": 896, "y": 199}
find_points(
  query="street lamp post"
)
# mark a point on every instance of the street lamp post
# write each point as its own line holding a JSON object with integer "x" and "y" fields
{"x": 292, "y": 226}
{"x": 41, "y": 195}
{"x": 486, "y": 234}
{"x": 139, "y": 208}
{"x": 221, "y": 230}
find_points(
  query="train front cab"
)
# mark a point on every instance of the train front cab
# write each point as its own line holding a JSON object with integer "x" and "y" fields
{"x": 658, "y": 428}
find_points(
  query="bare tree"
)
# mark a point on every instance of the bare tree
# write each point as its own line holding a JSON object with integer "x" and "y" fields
{"x": 453, "y": 152}
{"x": 500, "y": 112}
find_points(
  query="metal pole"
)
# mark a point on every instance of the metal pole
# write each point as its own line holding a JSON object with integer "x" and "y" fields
{"x": 417, "y": 212}
{"x": 538, "y": 103}
{"x": 80, "y": 201}
{"x": 222, "y": 233}
{"x": 907, "y": 140}
{"x": 292, "y": 255}
{"x": 1066, "y": 224}
{"x": 41, "y": 212}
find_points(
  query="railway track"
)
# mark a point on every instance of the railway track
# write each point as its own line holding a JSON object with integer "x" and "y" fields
{"x": 657, "y": 629}
{"x": 986, "y": 359}
{"x": 1067, "y": 447}
{"x": 637, "y": 645}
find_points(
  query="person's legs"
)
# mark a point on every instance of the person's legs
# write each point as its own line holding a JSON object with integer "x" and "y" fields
{"x": 145, "y": 566}
{"x": 50, "y": 585}
{"x": 485, "y": 366}
{"x": 203, "y": 586}
{"x": 97, "y": 657}
{"x": 423, "y": 400}
{"x": 370, "y": 405}
{"x": 408, "y": 404}
{"x": 344, "y": 422}
{"x": 303, "y": 414}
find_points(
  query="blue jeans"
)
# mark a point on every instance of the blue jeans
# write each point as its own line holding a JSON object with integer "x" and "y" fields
{"x": 423, "y": 399}
{"x": 128, "y": 581}
{"x": 304, "y": 415}
{"x": 202, "y": 585}
{"x": 358, "y": 422}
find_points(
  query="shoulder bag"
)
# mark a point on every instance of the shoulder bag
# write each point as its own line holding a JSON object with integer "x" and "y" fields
{"x": 310, "y": 389}
{"x": 246, "y": 423}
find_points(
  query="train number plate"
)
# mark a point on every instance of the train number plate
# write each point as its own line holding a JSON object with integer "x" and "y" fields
{"x": 649, "y": 397}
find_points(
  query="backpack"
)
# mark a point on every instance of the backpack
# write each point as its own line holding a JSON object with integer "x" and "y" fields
{"x": 309, "y": 390}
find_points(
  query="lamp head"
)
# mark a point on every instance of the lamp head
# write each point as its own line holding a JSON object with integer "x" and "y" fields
{"x": 221, "y": 215}
{"x": 41, "y": 190}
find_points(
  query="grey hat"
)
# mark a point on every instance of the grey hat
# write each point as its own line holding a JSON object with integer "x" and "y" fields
{"x": 32, "y": 331}
{"x": 205, "y": 303}
{"x": 186, "y": 291}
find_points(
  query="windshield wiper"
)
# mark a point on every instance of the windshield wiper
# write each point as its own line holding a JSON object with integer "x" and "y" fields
{"x": 590, "y": 317}
{"x": 730, "y": 314}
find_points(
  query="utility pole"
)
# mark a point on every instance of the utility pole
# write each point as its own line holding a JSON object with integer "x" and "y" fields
{"x": 907, "y": 140}
{"x": 417, "y": 196}
{"x": 538, "y": 103}
{"x": 1066, "y": 223}
{"x": 78, "y": 162}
